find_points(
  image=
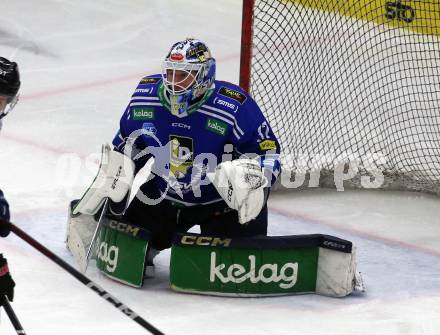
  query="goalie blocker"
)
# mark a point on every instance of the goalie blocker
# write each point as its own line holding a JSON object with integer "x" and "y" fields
{"x": 264, "y": 266}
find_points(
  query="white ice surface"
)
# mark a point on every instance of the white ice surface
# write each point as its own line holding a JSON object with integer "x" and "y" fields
{"x": 79, "y": 61}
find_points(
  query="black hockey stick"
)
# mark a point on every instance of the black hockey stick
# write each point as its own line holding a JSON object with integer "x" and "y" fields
{"x": 14, "y": 320}
{"x": 83, "y": 279}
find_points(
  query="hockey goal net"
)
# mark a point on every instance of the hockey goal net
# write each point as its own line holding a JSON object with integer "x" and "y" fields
{"x": 343, "y": 80}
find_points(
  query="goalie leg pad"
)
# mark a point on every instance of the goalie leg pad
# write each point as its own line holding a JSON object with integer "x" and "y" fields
{"x": 79, "y": 234}
{"x": 337, "y": 274}
{"x": 122, "y": 251}
{"x": 262, "y": 266}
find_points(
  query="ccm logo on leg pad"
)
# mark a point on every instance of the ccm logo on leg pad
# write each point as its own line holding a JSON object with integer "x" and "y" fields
{"x": 205, "y": 241}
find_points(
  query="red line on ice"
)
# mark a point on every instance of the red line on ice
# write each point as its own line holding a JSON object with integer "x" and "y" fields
{"x": 96, "y": 83}
{"x": 79, "y": 87}
{"x": 40, "y": 146}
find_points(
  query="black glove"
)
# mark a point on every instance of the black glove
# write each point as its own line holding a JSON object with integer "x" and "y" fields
{"x": 6, "y": 282}
{"x": 4, "y": 215}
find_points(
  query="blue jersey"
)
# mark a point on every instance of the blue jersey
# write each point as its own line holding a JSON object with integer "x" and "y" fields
{"x": 224, "y": 124}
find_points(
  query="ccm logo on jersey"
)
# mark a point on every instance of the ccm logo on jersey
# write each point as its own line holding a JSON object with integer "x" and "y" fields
{"x": 205, "y": 240}
{"x": 180, "y": 125}
{"x": 237, "y": 96}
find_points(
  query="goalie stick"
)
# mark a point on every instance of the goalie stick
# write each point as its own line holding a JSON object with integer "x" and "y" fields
{"x": 83, "y": 266}
{"x": 83, "y": 279}
{"x": 14, "y": 320}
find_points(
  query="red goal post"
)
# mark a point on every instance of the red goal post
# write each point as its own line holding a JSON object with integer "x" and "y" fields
{"x": 246, "y": 44}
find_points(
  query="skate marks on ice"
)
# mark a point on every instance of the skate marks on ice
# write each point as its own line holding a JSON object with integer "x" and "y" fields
{"x": 390, "y": 270}
{"x": 23, "y": 42}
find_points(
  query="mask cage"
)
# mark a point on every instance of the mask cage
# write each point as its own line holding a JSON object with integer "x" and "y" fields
{"x": 191, "y": 69}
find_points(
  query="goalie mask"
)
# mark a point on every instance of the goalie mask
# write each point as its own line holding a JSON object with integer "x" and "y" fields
{"x": 9, "y": 86}
{"x": 188, "y": 72}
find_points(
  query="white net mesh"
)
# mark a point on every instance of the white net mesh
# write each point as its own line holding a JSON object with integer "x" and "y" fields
{"x": 352, "y": 78}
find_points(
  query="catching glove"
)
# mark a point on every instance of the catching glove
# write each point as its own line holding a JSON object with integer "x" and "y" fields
{"x": 241, "y": 184}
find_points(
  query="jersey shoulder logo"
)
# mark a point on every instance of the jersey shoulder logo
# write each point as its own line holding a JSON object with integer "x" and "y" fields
{"x": 150, "y": 80}
{"x": 235, "y": 95}
{"x": 226, "y": 104}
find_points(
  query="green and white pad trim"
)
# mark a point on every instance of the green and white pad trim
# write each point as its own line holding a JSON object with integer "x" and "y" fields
{"x": 263, "y": 266}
